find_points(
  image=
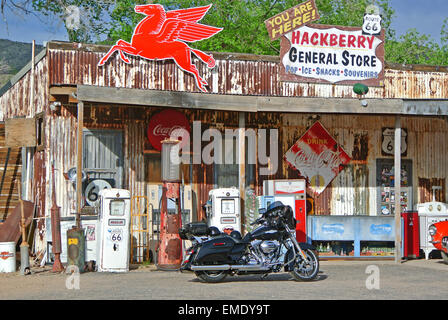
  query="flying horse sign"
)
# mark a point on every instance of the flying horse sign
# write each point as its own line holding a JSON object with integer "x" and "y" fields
{"x": 162, "y": 35}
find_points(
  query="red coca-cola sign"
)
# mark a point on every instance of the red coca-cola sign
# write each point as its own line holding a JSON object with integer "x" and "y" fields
{"x": 165, "y": 123}
{"x": 318, "y": 157}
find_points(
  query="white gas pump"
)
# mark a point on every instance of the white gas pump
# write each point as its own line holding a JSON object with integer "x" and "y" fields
{"x": 223, "y": 209}
{"x": 113, "y": 230}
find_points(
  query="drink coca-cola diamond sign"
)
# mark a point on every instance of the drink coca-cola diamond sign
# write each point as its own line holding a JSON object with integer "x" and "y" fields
{"x": 318, "y": 157}
{"x": 163, "y": 124}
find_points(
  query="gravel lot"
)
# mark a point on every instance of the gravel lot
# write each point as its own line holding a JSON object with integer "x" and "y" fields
{"x": 410, "y": 280}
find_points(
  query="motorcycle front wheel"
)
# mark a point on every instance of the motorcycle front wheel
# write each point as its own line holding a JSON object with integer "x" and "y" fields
{"x": 211, "y": 276}
{"x": 306, "y": 270}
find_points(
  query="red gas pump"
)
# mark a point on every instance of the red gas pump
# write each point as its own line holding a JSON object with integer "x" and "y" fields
{"x": 169, "y": 255}
{"x": 411, "y": 236}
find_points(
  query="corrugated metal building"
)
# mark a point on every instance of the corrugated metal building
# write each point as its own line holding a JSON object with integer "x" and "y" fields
{"x": 244, "y": 92}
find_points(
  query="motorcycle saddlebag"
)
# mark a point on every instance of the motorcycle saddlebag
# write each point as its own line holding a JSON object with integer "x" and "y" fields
{"x": 219, "y": 250}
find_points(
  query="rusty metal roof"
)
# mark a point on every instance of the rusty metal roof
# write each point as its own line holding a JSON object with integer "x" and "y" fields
{"x": 71, "y": 64}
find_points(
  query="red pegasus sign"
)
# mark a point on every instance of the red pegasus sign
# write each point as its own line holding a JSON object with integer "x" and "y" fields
{"x": 160, "y": 36}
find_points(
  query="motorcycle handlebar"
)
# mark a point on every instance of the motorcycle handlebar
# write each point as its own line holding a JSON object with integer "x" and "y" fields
{"x": 258, "y": 221}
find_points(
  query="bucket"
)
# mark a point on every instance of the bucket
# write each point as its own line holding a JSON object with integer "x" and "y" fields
{"x": 7, "y": 257}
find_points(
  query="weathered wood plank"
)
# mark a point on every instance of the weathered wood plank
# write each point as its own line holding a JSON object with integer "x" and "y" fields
{"x": 20, "y": 132}
{"x": 160, "y": 98}
{"x": 176, "y": 99}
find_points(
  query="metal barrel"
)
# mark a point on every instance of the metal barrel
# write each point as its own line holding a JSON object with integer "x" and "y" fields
{"x": 76, "y": 248}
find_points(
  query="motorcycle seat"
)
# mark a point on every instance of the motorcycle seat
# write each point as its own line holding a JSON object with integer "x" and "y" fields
{"x": 239, "y": 239}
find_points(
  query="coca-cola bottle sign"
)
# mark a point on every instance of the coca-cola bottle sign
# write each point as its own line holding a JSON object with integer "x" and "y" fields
{"x": 165, "y": 124}
{"x": 318, "y": 157}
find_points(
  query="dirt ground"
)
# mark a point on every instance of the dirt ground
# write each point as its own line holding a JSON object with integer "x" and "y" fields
{"x": 411, "y": 280}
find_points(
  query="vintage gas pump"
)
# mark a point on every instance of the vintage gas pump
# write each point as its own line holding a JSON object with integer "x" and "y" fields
{"x": 169, "y": 254}
{"x": 76, "y": 239}
{"x": 223, "y": 209}
{"x": 113, "y": 245}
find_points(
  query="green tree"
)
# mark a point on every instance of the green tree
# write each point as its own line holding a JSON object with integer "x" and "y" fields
{"x": 4, "y": 68}
{"x": 243, "y": 20}
{"x": 416, "y": 48}
{"x": 84, "y": 20}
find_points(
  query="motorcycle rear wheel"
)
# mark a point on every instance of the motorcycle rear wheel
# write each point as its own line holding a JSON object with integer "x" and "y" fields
{"x": 306, "y": 270}
{"x": 211, "y": 276}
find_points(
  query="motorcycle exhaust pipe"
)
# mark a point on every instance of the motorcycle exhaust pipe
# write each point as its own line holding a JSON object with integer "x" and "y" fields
{"x": 250, "y": 267}
{"x": 211, "y": 267}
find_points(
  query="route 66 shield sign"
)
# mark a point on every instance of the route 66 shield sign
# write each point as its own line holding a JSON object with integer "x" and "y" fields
{"x": 387, "y": 143}
{"x": 371, "y": 24}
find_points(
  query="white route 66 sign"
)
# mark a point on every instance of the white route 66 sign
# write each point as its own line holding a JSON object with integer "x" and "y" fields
{"x": 388, "y": 146}
{"x": 371, "y": 24}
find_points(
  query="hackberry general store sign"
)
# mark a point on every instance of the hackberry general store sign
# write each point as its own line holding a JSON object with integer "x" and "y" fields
{"x": 332, "y": 54}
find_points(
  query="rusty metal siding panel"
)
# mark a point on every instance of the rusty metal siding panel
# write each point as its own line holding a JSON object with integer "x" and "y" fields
{"x": 16, "y": 101}
{"x": 134, "y": 159}
{"x": 61, "y": 150}
{"x": 230, "y": 76}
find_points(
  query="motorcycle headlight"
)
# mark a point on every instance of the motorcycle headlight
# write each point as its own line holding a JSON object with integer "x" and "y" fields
{"x": 432, "y": 230}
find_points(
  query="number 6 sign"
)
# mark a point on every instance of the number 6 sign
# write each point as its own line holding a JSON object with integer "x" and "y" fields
{"x": 387, "y": 145}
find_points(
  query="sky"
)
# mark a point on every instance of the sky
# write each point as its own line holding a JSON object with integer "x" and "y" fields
{"x": 426, "y": 16}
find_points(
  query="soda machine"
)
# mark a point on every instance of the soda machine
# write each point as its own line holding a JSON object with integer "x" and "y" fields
{"x": 292, "y": 193}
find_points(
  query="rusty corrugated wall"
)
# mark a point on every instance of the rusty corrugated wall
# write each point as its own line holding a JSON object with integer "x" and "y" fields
{"x": 234, "y": 74}
{"x": 352, "y": 192}
{"x": 15, "y": 102}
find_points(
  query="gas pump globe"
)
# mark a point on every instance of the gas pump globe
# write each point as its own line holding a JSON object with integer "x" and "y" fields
{"x": 169, "y": 254}
{"x": 170, "y": 161}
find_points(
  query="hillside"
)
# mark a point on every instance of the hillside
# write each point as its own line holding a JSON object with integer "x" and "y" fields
{"x": 13, "y": 56}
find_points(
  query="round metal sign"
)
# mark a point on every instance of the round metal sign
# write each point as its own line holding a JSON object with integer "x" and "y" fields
{"x": 93, "y": 189}
{"x": 166, "y": 124}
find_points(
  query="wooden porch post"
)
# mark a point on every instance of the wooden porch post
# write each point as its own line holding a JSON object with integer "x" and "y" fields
{"x": 79, "y": 164}
{"x": 397, "y": 182}
{"x": 242, "y": 165}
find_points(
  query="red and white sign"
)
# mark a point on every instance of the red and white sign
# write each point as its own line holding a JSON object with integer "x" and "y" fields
{"x": 6, "y": 255}
{"x": 161, "y": 35}
{"x": 332, "y": 54}
{"x": 318, "y": 157}
{"x": 168, "y": 123}
{"x": 289, "y": 186}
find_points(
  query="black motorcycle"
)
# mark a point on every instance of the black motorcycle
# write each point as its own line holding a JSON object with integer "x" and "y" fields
{"x": 269, "y": 248}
